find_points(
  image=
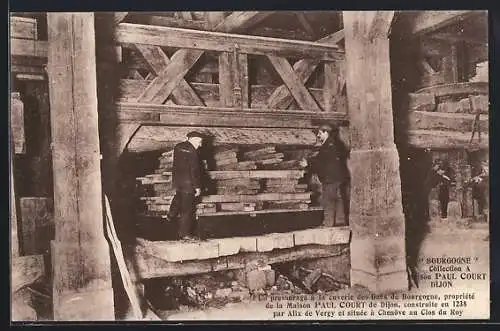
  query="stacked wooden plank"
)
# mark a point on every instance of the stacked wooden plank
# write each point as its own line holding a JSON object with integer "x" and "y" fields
{"x": 289, "y": 186}
{"x": 226, "y": 158}
{"x": 263, "y": 157}
{"x": 237, "y": 184}
{"x": 445, "y": 116}
{"x": 165, "y": 162}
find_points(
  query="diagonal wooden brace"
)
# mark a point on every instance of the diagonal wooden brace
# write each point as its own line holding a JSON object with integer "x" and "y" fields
{"x": 157, "y": 61}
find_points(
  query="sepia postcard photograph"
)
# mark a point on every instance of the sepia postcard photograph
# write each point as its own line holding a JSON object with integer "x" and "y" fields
{"x": 249, "y": 165}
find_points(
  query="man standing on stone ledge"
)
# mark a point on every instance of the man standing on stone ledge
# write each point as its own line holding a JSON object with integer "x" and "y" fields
{"x": 186, "y": 180}
{"x": 330, "y": 164}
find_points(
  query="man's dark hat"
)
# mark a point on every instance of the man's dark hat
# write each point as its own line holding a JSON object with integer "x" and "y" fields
{"x": 195, "y": 134}
{"x": 328, "y": 127}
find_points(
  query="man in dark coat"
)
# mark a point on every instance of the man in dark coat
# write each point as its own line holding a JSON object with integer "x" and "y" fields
{"x": 330, "y": 164}
{"x": 480, "y": 187}
{"x": 186, "y": 180}
{"x": 442, "y": 178}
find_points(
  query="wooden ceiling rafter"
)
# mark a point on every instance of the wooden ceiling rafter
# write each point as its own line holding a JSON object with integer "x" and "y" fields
{"x": 425, "y": 22}
{"x": 453, "y": 38}
{"x": 119, "y": 16}
{"x": 240, "y": 21}
{"x": 304, "y": 22}
{"x": 127, "y": 33}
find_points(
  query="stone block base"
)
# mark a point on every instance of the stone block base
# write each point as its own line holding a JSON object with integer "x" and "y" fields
{"x": 82, "y": 286}
{"x": 85, "y": 306}
{"x": 380, "y": 283}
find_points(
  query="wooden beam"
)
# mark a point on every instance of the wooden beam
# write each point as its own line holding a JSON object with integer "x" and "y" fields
{"x": 26, "y": 270}
{"x": 168, "y": 79}
{"x": 155, "y": 137}
{"x": 25, "y": 47}
{"x": 158, "y": 61}
{"x": 305, "y": 24}
{"x": 425, "y": 120}
{"x": 281, "y": 97}
{"x": 455, "y": 89}
{"x": 294, "y": 83}
{"x": 27, "y": 70}
{"x": 14, "y": 233}
{"x": 127, "y": 33}
{"x": 242, "y": 80}
{"x": 453, "y": 38}
{"x": 381, "y": 24}
{"x": 226, "y": 79}
{"x": 437, "y": 139}
{"x": 424, "y": 22}
{"x": 226, "y": 117}
{"x": 171, "y": 22}
{"x": 331, "y": 91}
{"x": 453, "y": 63}
{"x": 333, "y": 38}
{"x": 214, "y": 17}
{"x": 241, "y": 21}
{"x": 119, "y": 16}
{"x": 186, "y": 15}
{"x": 427, "y": 67}
{"x": 80, "y": 248}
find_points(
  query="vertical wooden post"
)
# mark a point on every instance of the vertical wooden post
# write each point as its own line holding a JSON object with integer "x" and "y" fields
{"x": 82, "y": 287}
{"x": 378, "y": 257}
{"x": 330, "y": 88}
{"x": 454, "y": 63}
{"x": 233, "y": 80}
{"x": 226, "y": 79}
{"x": 14, "y": 239}
{"x": 242, "y": 80}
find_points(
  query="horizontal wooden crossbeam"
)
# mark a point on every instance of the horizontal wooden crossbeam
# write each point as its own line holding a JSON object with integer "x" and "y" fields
{"x": 457, "y": 122}
{"x": 127, "y": 33}
{"x": 440, "y": 139}
{"x": 424, "y": 22}
{"x": 216, "y": 116}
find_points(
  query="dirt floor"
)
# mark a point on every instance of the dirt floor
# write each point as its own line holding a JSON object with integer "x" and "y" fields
{"x": 466, "y": 239}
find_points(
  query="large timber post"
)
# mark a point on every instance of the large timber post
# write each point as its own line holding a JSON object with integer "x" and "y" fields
{"x": 82, "y": 287}
{"x": 378, "y": 257}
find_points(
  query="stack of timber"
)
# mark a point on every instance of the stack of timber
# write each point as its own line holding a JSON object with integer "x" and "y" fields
{"x": 242, "y": 198}
{"x": 165, "y": 162}
{"x": 158, "y": 193}
{"x": 445, "y": 116}
{"x": 236, "y": 191}
{"x": 264, "y": 156}
{"x": 250, "y": 179}
{"x": 226, "y": 158}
